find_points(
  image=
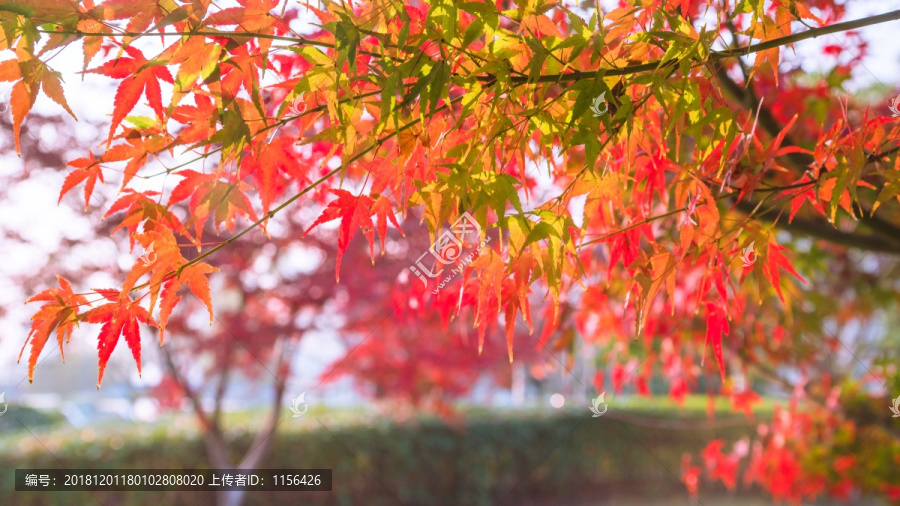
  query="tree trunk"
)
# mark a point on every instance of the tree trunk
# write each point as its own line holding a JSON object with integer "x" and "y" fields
{"x": 263, "y": 440}
{"x": 214, "y": 438}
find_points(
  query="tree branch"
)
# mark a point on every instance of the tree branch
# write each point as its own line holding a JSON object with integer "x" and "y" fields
{"x": 224, "y": 377}
{"x": 887, "y": 239}
{"x": 822, "y": 230}
{"x": 554, "y": 78}
{"x": 263, "y": 438}
{"x": 302, "y": 192}
{"x": 216, "y": 447}
{"x": 715, "y": 55}
{"x": 858, "y": 416}
{"x": 676, "y": 211}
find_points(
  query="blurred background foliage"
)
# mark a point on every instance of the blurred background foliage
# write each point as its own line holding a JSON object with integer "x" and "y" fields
{"x": 422, "y": 460}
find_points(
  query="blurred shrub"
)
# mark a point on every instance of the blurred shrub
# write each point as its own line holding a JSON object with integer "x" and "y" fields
{"x": 29, "y": 417}
{"x": 485, "y": 460}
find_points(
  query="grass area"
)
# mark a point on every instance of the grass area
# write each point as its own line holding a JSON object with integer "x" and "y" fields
{"x": 52, "y": 432}
{"x": 693, "y": 405}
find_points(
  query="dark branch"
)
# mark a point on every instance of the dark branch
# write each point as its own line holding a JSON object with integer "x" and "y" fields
{"x": 822, "y": 230}
{"x": 715, "y": 55}
{"x": 887, "y": 235}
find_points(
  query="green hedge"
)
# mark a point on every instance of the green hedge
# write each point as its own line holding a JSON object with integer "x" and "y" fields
{"x": 483, "y": 460}
{"x": 17, "y": 418}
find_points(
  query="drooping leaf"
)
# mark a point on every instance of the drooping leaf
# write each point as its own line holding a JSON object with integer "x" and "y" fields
{"x": 87, "y": 170}
{"x": 119, "y": 319}
{"x": 138, "y": 77}
{"x": 60, "y": 312}
{"x": 716, "y": 328}
{"x": 384, "y": 211}
{"x": 354, "y": 212}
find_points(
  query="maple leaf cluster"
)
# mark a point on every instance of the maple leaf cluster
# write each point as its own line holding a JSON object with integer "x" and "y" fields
{"x": 629, "y": 228}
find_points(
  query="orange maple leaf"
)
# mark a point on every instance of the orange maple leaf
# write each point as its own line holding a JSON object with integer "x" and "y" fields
{"x": 87, "y": 170}
{"x": 199, "y": 120}
{"x": 194, "y": 277}
{"x": 775, "y": 259}
{"x": 488, "y": 296}
{"x": 136, "y": 150}
{"x": 210, "y": 195}
{"x": 164, "y": 260}
{"x": 32, "y": 75}
{"x": 140, "y": 208}
{"x": 168, "y": 270}
{"x": 60, "y": 313}
{"x": 254, "y": 18}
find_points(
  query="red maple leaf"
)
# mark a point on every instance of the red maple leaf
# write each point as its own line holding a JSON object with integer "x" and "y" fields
{"x": 270, "y": 166}
{"x": 138, "y": 77}
{"x": 383, "y": 209}
{"x": 716, "y": 327}
{"x": 354, "y": 212}
{"x": 199, "y": 120}
{"x": 120, "y": 317}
